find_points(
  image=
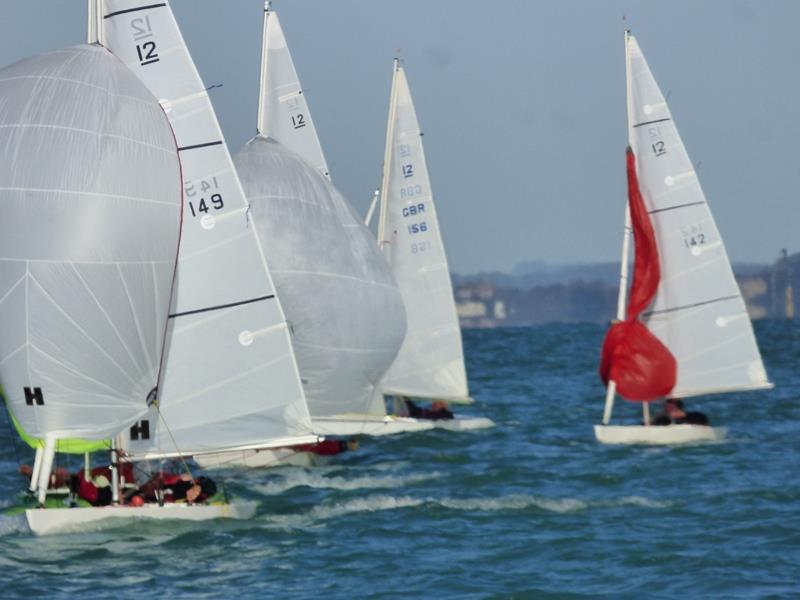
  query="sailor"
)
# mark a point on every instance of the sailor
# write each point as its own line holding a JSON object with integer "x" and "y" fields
{"x": 169, "y": 487}
{"x": 673, "y": 413}
{"x": 438, "y": 410}
{"x": 328, "y": 447}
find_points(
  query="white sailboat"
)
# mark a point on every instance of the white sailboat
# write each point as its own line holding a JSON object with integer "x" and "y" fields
{"x": 337, "y": 288}
{"x": 430, "y": 363}
{"x": 697, "y": 312}
{"x": 230, "y": 380}
{"x": 87, "y": 251}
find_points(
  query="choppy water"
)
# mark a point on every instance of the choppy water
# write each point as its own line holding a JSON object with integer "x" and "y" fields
{"x": 534, "y": 508}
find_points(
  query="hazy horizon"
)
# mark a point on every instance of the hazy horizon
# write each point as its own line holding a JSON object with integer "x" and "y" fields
{"x": 523, "y": 106}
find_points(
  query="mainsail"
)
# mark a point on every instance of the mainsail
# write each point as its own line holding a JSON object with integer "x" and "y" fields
{"x": 345, "y": 310}
{"x": 91, "y": 193}
{"x": 231, "y": 379}
{"x": 698, "y": 311}
{"x": 283, "y": 113}
{"x": 431, "y": 361}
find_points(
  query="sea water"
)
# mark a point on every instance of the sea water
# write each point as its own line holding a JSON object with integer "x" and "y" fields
{"x": 533, "y": 508}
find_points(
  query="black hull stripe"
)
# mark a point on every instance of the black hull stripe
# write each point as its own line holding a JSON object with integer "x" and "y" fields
{"x": 658, "y": 210}
{"x": 196, "y": 146}
{"x": 695, "y": 305}
{"x": 221, "y": 306}
{"x": 130, "y": 10}
{"x": 651, "y": 122}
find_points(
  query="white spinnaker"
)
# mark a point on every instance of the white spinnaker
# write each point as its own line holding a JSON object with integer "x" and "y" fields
{"x": 90, "y": 187}
{"x": 698, "y": 311}
{"x": 283, "y": 113}
{"x": 345, "y": 310}
{"x": 431, "y": 361}
{"x": 231, "y": 379}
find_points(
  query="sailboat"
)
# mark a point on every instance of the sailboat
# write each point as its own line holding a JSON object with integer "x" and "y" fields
{"x": 430, "y": 363}
{"x": 686, "y": 331}
{"x": 345, "y": 310}
{"x": 229, "y": 378}
{"x": 87, "y": 253}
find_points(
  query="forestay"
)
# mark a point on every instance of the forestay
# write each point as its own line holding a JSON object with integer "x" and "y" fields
{"x": 231, "y": 379}
{"x": 91, "y": 194}
{"x": 283, "y": 113}
{"x": 698, "y": 311}
{"x": 345, "y": 310}
{"x": 431, "y": 360}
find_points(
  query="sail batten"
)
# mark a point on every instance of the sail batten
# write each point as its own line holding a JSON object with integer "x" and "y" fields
{"x": 431, "y": 361}
{"x": 228, "y": 349}
{"x": 698, "y": 304}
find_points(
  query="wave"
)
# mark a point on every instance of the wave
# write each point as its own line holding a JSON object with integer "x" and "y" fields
{"x": 368, "y": 504}
{"x": 517, "y": 502}
{"x": 13, "y": 524}
{"x": 313, "y": 479}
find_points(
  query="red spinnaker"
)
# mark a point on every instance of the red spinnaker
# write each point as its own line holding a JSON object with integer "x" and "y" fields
{"x": 641, "y": 366}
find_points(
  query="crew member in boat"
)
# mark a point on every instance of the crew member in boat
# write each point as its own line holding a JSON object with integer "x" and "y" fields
{"x": 170, "y": 487}
{"x": 59, "y": 478}
{"x": 96, "y": 489}
{"x": 328, "y": 447}
{"x": 438, "y": 410}
{"x": 673, "y": 413}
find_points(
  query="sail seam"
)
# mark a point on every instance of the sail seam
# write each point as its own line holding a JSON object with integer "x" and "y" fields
{"x": 696, "y": 304}
{"x": 221, "y": 306}
{"x": 130, "y": 10}
{"x": 652, "y": 122}
{"x": 658, "y": 210}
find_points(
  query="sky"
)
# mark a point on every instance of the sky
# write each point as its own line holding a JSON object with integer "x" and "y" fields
{"x": 522, "y": 103}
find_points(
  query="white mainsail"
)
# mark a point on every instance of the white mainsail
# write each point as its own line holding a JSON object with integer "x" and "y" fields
{"x": 345, "y": 310}
{"x": 283, "y": 113}
{"x": 698, "y": 311}
{"x": 90, "y": 189}
{"x": 231, "y": 378}
{"x": 431, "y": 361}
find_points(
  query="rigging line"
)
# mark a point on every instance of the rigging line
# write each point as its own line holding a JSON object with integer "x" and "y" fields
{"x": 175, "y": 443}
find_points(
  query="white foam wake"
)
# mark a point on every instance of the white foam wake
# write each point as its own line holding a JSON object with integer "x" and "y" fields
{"x": 314, "y": 479}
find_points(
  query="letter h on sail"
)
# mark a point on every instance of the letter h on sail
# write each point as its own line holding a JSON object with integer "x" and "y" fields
{"x": 34, "y": 396}
{"x": 140, "y": 430}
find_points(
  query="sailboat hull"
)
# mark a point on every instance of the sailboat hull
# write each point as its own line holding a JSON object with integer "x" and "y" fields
{"x": 257, "y": 459}
{"x": 46, "y": 521}
{"x": 658, "y": 435}
{"x": 346, "y": 425}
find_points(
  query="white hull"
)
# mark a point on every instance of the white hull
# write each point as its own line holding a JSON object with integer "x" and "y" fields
{"x": 392, "y": 425}
{"x": 658, "y": 434}
{"x": 44, "y": 521}
{"x": 464, "y": 423}
{"x": 347, "y": 425}
{"x": 257, "y": 459}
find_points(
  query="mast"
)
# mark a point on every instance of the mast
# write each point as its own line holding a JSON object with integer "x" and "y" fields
{"x": 626, "y": 240}
{"x": 387, "y": 159}
{"x": 91, "y": 25}
{"x": 262, "y": 91}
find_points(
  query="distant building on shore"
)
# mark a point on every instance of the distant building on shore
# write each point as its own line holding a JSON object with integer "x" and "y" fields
{"x": 585, "y": 293}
